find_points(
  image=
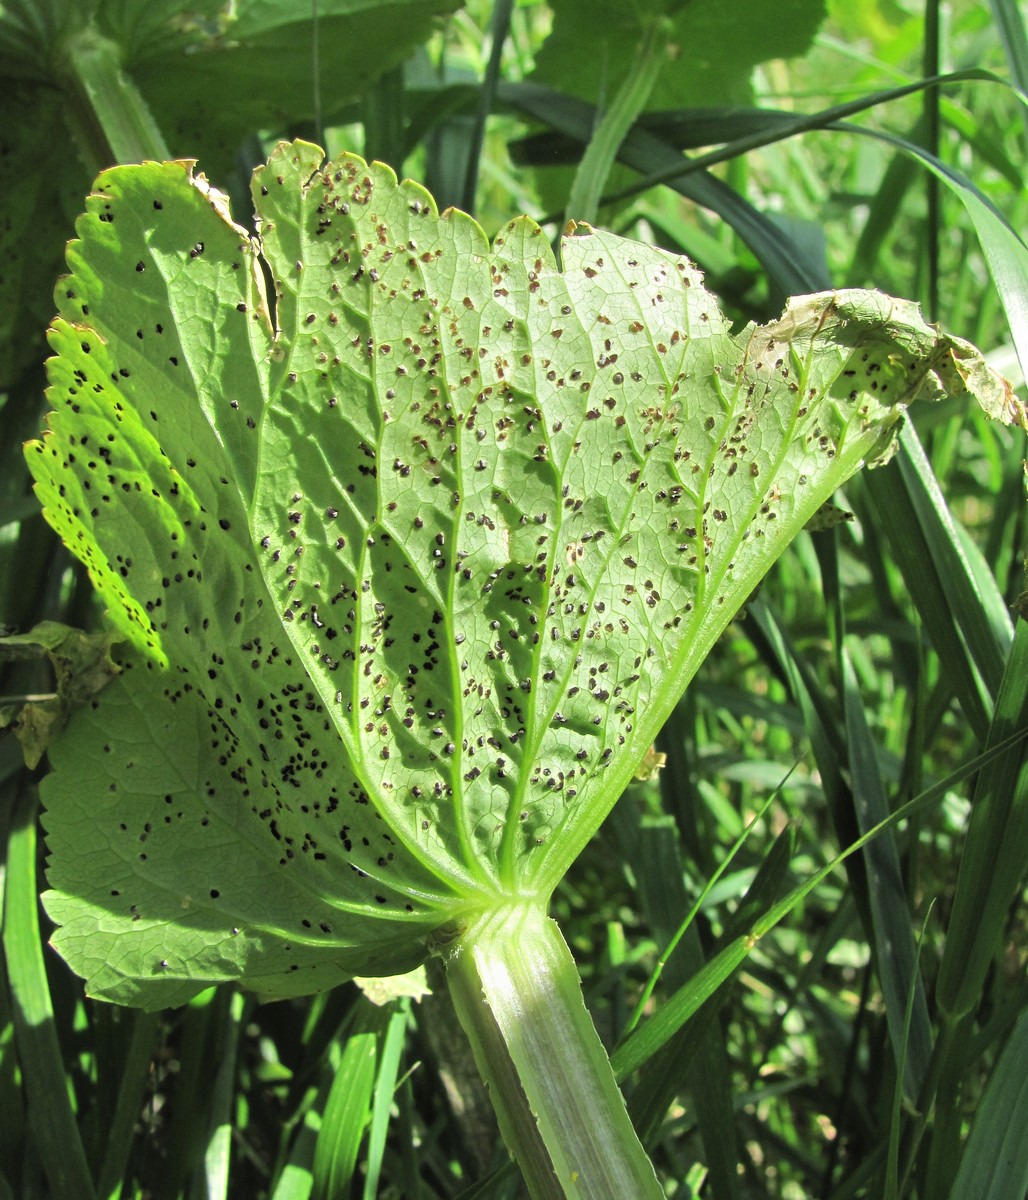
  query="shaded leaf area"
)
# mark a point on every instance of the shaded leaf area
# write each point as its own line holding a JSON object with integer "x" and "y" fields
{"x": 41, "y": 191}
{"x": 414, "y": 574}
{"x": 586, "y": 52}
{"x": 211, "y": 74}
{"x": 254, "y": 69}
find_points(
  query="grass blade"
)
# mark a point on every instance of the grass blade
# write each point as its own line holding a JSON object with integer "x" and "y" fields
{"x": 51, "y": 1117}
{"x": 672, "y": 942}
{"x": 345, "y": 1117}
{"x": 324, "y": 1040}
{"x": 652, "y": 850}
{"x": 187, "y": 1129}
{"x": 966, "y": 619}
{"x": 776, "y": 130}
{"x": 499, "y": 29}
{"x": 827, "y": 740}
{"x": 1010, "y": 26}
{"x": 930, "y": 125}
{"x": 993, "y": 861}
{"x": 217, "y": 1154}
{"x": 382, "y": 115}
{"x": 1004, "y": 250}
{"x": 782, "y": 258}
{"x": 628, "y": 103}
{"x": 385, "y": 1086}
{"x": 995, "y": 1162}
{"x": 892, "y": 937}
{"x": 134, "y": 1079}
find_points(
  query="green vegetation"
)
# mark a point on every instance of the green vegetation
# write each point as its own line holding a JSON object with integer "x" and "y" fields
{"x": 802, "y": 946}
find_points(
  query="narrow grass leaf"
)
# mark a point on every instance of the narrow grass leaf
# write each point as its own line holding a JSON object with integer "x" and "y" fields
{"x": 385, "y": 1086}
{"x": 295, "y": 1181}
{"x": 383, "y": 113}
{"x": 767, "y": 885}
{"x": 884, "y": 210}
{"x": 323, "y": 1053}
{"x": 684, "y": 128}
{"x": 217, "y": 1154}
{"x": 52, "y": 1123}
{"x": 892, "y": 1183}
{"x": 827, "y": 739}
{"x": 984, "y": 579}
{"x": 629, "y": 101}
{"x": 650, "y": 1037}
{"x": 690, "y": 916}
{"x": 12, "y": 1102}
{"x": 135, "y": 1076}
{"x": 345, "y": 1118}
{"x": 663, "y": 1077}
{"x": 774, "y": 129}
{"x": 498, "y": 31}
{"x": 187, "y": 1129}
{"x": 651, "y": 852}
{"x": 993, "y": 862}
{"x": 995, "y": 1161}
{"x": 433, "y": 108}
{"x": 892, "y": 937}
{"x": 1009, "y": 17}
{"x": 950, "y": 597}
{"x": 652, "y": 849}
{"x": 488, "y": 1187}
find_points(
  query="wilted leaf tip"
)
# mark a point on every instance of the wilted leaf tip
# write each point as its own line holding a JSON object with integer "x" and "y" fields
{"x": 966, "y": 371}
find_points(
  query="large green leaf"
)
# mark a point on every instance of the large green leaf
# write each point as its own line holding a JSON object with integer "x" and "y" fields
{"x": 414, "y": 560}
{"x": 585, "y": 53}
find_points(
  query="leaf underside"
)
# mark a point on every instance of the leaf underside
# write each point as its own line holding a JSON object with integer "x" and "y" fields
{"x": 414, "y": 559}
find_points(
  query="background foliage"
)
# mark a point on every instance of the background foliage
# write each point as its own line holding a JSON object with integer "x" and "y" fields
{"x": 870, "y": 1044}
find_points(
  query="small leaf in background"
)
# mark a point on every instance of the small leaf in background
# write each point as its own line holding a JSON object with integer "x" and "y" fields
{"x": 379, "y": 990}
{"x": 82, "y": 665}
{"x": 413, "y": 574}
{"x": 652, "y": 763}
{"x": 828, "y": 516}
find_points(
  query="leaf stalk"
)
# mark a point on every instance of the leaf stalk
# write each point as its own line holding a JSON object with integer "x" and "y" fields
{"x": 518, "y": 996}
{"x": 629, "y": 101}
{"x": 106, "y": 112}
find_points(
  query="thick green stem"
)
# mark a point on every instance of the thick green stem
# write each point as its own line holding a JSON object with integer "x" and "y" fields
{"x": 629, "y": 101}
{"x": 111, "y": 121}
{"x": 518, "y": 996}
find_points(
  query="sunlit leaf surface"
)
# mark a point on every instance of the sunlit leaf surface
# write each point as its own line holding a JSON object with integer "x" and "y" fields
{"x": 414, "y": 557}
